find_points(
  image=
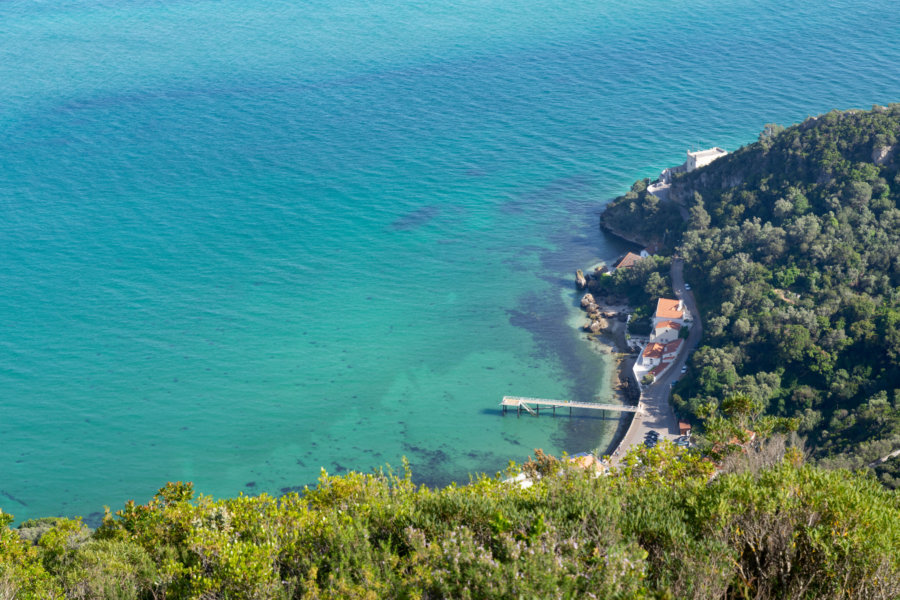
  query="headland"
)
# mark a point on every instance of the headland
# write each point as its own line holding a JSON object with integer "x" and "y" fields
{"x": 643, "y": 378}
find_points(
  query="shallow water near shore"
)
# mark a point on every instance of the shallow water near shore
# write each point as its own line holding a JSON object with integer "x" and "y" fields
{"x": 242, "y": 243}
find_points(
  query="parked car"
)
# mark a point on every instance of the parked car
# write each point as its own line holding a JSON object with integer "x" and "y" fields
{"x": 684, "y": 369}
{"x": 687, "y": 286}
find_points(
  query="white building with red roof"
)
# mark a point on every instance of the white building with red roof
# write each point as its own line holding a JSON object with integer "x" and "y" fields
{"x": 651, "y": 355}
{"x": 665, "y": 343}
{"x": 669, "y": 310}
{"x": 658, "y": 369}
{"x": 671, "y": 349}
{"x": 665, "y": 331}
{"x": 668, "y": 320}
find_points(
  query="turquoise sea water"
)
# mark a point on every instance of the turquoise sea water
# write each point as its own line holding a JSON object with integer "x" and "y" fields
{"x": 243, "y": 241}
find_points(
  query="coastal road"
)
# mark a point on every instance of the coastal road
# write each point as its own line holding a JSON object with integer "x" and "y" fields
{"x": 658, "y": 414}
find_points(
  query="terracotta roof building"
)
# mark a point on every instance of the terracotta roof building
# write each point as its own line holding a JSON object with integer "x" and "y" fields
{"x": 671, "y": 348}
{"x": 669, "y": 309}
{"x": 655, "y": 371}
{"x": 659, "y": 355}
{"x": 653, "y": 350}
{"x": 665, "y": 331}
{"x": 627, "y": 261}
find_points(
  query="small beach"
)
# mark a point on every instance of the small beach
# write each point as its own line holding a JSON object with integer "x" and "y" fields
{"x": 608, "y": 335}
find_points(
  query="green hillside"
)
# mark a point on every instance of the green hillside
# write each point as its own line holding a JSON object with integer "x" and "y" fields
{"x": 765, "y": 527}
{"x": 793, "y": 249}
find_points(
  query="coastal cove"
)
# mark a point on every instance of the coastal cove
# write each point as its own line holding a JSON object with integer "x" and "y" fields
{"x": 291, "y": 238}
{"x": 738, "y": 511}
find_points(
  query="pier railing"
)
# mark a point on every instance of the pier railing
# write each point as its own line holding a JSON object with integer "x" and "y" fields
{"x": 533, "y": 405}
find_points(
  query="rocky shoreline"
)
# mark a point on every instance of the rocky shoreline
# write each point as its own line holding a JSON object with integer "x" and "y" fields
{"x": 628, "y": 237}
{"x": 607, "y": 326}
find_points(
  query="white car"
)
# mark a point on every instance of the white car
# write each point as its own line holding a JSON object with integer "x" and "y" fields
{"x": 684, "y": 369}
{"x": 687, "y": 286}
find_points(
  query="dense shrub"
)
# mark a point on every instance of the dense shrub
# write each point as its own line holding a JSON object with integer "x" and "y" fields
{"x": 660, "y": 527}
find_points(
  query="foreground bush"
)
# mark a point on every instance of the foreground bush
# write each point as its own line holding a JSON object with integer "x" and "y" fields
{"x": 659, "y": 528}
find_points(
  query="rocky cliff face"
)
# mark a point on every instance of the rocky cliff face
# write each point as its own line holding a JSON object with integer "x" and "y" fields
{"x": 682, "y": 190}
{"x": 882, "y": 155}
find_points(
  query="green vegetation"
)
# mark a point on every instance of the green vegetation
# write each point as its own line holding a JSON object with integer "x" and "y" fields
{"x": 644, "y": 217}
{"x": 766, "y": 527}
{"x": 793, "y": 247}
{"x": 889, "y": 472}
{"x": 640, "y": 286}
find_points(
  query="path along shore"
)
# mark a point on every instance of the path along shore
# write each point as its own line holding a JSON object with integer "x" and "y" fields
{"x": 657, "y": 414}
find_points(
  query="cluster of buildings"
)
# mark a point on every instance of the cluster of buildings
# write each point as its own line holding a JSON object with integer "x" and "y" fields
{"x": 665, "y": 342}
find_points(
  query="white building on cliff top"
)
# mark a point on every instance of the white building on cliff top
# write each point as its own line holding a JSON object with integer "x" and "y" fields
{"x": 701, "y": 158}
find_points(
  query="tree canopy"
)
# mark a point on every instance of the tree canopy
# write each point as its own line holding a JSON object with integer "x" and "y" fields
{"x": 793, "y": 248}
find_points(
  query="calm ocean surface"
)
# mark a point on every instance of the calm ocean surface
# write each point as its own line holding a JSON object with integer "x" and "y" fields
{"x": 242, "y": 241}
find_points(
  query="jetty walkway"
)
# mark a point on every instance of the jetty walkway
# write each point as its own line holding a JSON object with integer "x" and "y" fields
{"x": 654, "y": 411}
{"x": 533, "y": 405}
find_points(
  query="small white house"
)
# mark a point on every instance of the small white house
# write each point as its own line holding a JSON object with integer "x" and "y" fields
{"x": 666, "y": 331}
{"x": 652, "y": 354}
{"x": 701, "y": 158}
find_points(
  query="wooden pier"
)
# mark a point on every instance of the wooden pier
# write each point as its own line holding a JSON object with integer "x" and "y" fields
{"x": 533, "y": 405}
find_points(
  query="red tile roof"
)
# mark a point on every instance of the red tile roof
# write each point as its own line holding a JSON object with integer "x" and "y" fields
{"x": 669, "y": 309}
{"x": 660, "y": 367}
{"x": 628, "y": 261}
{"x": 671, "y": 347}
{"x": 653, "y": 350}
{"x": 669, "y": 324}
